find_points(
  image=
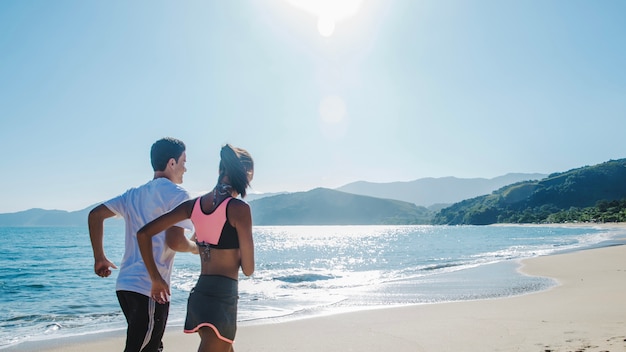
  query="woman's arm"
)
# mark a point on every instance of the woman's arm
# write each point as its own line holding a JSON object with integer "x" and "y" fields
{"x": 242, "y": 221}
{"x": 160, "y": 290}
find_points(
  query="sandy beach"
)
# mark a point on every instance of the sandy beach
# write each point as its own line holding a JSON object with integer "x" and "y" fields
{"x": 585, "y": 312}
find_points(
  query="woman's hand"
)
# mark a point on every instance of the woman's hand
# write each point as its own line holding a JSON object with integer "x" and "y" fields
{"x": 160, "y": 291}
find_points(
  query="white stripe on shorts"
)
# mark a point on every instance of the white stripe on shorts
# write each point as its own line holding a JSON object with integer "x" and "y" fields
{"x": 151, "y": 309}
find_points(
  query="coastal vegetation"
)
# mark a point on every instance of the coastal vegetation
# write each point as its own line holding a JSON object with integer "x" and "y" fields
{"x": 587, "y": 194}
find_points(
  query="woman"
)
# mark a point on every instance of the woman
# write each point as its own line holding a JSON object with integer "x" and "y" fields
{"x": 223, "y": 233}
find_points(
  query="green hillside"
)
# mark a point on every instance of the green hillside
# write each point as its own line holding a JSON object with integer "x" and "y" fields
{"x": 323, "y": 206}
{"x": 592, "y": 193}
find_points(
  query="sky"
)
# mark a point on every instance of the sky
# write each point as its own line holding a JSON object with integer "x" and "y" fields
{"x": 321, "y": 93}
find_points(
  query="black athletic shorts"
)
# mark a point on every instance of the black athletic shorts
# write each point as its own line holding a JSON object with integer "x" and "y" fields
{"x": 146, "y": 321}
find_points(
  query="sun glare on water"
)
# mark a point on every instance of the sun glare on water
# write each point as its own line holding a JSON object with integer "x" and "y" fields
{"x": 328, "y": 12}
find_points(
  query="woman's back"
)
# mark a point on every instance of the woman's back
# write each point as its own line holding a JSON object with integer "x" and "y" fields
{"x": 218, "y": 224}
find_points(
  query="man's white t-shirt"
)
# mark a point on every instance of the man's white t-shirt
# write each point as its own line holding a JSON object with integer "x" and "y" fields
{"x": 138, "y": 206}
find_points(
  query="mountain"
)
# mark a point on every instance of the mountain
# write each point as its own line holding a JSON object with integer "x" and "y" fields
{"x": 254, "y": 196}
{"x": 586, "y": 192}
{"x": 433, "y": 191}
{"x": 42, "y": 217}
{"x": 316, "y": 207}
{"x": 509, "y": 198}
{"x": 322, "y": 206}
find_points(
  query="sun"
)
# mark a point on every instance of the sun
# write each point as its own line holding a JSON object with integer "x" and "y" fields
{"x": 328, "y": 12}
{"x": 326, "y": 26}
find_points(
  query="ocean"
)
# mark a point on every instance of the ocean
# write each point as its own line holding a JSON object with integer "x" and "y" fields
{"x": 48, "y": 288}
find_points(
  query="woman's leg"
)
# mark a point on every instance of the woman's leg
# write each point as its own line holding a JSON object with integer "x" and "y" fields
{"x": 209, "y": 342}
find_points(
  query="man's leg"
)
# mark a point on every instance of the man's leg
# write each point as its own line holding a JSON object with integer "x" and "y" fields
{"x": 146, "y": 321}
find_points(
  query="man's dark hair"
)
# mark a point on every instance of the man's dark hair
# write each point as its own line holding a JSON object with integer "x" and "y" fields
{"x": 165, "y": 149}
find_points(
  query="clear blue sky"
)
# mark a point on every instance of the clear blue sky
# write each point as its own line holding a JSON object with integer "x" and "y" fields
{"x": 379, "y": 90}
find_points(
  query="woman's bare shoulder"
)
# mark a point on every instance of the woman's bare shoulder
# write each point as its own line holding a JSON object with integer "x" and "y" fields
{"x": 239, "y": 203}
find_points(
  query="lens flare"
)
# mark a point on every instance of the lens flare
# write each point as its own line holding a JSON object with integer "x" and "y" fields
{"x": 332, "y": 109}
{"x": 328, "y": 12}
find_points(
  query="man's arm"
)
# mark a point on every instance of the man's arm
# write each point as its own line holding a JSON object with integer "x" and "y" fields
{"x": 176, "y": 240}
{"x": 102, "y": 265}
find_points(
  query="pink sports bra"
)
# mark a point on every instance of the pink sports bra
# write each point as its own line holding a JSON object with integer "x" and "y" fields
{"x": 213, "y": 229}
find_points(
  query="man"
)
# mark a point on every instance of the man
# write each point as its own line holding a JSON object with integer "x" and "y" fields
{"x": 146, "y": 318}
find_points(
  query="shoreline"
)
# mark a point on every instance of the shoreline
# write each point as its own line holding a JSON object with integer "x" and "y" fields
{"x": 604, "y": 225}
{"x": 584, "y": 312}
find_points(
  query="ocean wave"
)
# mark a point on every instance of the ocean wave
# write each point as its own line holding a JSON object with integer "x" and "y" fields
{"x": 307, "y": 277}
{"x": 441, "y": 266}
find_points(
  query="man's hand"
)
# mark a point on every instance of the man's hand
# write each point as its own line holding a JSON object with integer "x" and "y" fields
{"x": 103, "y": 267}
{"x": 160, "y": 291}
{"x": 195, "y": 249}
{"x": 176, "y": 240}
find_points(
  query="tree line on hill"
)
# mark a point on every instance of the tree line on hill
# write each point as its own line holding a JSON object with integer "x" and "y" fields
{"x": 604, "y": 211}
{"x": 588, "y": 194}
